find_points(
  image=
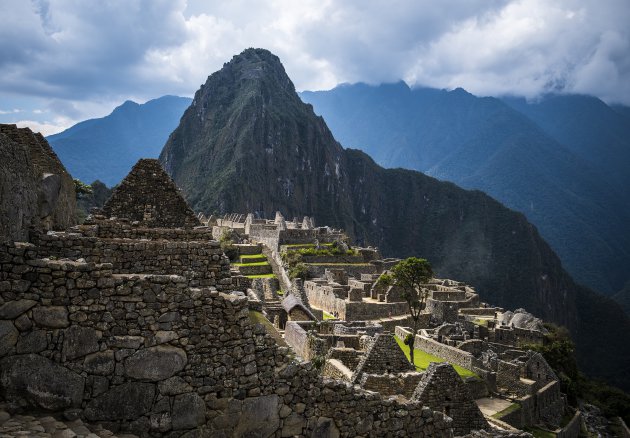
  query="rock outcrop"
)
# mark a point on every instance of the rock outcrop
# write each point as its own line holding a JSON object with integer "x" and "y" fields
{"x": 36, "y": 191}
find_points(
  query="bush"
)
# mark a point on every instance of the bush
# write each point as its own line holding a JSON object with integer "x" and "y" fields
{"x": 298, "y": 271}
{"x": 230, "y": 250}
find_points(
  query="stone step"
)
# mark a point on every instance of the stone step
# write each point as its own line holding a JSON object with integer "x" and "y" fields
{"x": 248, "y": 249}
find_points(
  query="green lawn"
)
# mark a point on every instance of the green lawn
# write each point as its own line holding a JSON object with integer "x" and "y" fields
{"x": 422, "y": 360}
{"x": 253, "y": 257}
{"x": 328, "y": 316}
{"x": 262, "y": 276}
{"x": 251, "y": 264}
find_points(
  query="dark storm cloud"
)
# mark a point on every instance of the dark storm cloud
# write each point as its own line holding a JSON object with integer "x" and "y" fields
{"x": 91, "y": 53}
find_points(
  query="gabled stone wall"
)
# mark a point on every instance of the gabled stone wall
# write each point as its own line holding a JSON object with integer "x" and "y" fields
{"x": 149, "y": 196}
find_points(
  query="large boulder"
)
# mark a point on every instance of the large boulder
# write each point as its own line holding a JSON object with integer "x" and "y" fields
{"x": 13, "y": 309}
{"x": 31, "y": 380}
{"x": 156, "y": 363}
{"x": 258, "y": 417}
{"x": 128, "y": 401}
{"x": 189, "y": 411}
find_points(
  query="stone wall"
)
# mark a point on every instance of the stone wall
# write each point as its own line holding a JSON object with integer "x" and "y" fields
{"x": 572, "y": 429}
{"x": 147, "y": 354}
{"x": 446, "y": 352}
{"x": 202, "y": 263}
{"x": 323, "y": 297}
{"x": 391, "y": 384}
{"x": 97, "y": 226}
{"x": 350, "y": 357}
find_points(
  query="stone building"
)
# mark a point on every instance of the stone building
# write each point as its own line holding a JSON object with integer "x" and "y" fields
{"x": 443, "y": 390}
{"x": 149, "y": 196}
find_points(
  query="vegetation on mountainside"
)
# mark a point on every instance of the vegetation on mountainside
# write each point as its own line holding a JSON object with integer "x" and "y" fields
{"x": 409, "y": 275}
{"x": 89, "y": 196}
{"x": 299, "y": 270}
{"x": 559, "y": 351}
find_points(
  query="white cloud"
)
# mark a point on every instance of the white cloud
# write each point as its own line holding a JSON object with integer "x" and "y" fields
{"x": 80, "y": 56}
{"x": 45, "y": 128}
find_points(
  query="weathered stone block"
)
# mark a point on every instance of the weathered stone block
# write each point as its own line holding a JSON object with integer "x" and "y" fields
{"x": 51, "y": 317}
{"x": 13, "y": 309}
{"x": 156, "y": 363}
{"x": 258, "y": 417}
{"x": 34, "y": 381}
{"x": 79, "y": 341}
{"x": 101, "y": 364}
{"x": 33, "y": 342}
{"x": 174, "y": 386}
{"x": 189, "y": 411}
{"x": 8, "y": 337}
{"x": 124, "y": 402}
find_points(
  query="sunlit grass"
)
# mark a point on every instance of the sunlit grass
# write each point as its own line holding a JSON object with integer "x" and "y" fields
{"x": 422, "y": 360}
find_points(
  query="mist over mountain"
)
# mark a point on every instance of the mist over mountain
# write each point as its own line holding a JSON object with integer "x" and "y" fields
{"x": 105, "y": 149}
{"x": 248, "y": 143}
{"x": 561, "y": 161}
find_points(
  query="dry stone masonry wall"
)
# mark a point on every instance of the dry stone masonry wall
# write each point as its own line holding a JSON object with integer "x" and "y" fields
{"x": 150, "y": 355}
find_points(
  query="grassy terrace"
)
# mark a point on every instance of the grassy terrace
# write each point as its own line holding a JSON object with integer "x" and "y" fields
{"x": 423, "y": 359}
{"x": 253, "y": 257}
{"x": 251, "y": 264}
{"x": 261, "y": 276}
{"x": 328, "y": 316}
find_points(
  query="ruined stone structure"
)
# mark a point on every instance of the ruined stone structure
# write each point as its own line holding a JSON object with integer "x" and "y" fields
{"x": 148, "y": 195}
{"x": 443, "y": 390}
{"x": 36, "y": 191}
{"x": 137, "y": 329}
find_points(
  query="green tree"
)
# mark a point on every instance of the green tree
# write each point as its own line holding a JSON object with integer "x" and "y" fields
{"x": 409, "y": 275}
{"x": 81, "y": 188}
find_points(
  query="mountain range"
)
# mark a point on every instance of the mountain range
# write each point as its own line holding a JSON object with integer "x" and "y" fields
{"x": 247, "y": 143}
{"x": 105, "y": 149}
{"x": 562, "y": 160}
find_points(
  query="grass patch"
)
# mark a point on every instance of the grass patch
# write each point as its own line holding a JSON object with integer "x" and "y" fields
{"x": 512, "y": 408}
{"x": 328, "y": 316}
{"x": 539, "y": 433}
{"x": 481, "y": 322}
{"x": 261, "y": 276}
{"x": 253, "y": 257}
{"x": 257, "y": 317}
{"x": 422, "y": 360}
{"x": 251, "y": 264}
{"x": 338, "y": 264}
{"x": 280, "y": 292}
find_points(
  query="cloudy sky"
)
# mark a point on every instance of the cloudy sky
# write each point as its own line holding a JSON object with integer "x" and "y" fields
{"x": 62, "y": 61}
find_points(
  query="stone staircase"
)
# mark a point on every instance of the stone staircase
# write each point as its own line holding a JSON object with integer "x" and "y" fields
{"x": 252, "y": 262}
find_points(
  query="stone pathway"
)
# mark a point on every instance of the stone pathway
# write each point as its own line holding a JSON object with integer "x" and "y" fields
{"x": 49, "y": 427}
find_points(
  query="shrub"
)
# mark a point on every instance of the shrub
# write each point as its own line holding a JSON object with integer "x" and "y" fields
{"x": 298, "y": 271}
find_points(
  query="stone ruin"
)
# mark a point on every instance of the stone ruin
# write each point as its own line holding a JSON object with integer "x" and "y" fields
{"x": 36, "y": 191}
{"x": 441, "y": 388}
{"x": 149, "y": 196}
{"x": 136, "y": 328}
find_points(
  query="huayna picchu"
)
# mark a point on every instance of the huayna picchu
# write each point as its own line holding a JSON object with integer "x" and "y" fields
{"x": 249, "y": 144}
{"x": 274, "y": 288}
